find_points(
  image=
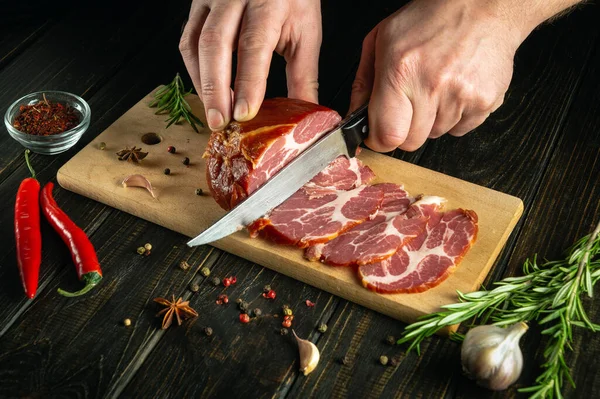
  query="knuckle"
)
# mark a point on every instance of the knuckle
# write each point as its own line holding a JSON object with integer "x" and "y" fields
{"x": 359, "y": 86}
{"x": 403, "y": 67}
{"x": 186, "y": 47}
{"x": 254, "y": 39}
{"x": 208, "y": 88}
{"x": 210, "y": 38}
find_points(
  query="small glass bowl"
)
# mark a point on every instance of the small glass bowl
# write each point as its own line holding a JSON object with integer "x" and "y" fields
{"x": 54, "y": 143}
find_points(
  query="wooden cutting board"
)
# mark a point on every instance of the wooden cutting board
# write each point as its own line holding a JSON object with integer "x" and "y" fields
{"x": 97, "y": 174}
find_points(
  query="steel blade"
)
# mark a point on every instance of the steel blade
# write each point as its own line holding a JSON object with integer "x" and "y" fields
{"x": 278, "y": 188}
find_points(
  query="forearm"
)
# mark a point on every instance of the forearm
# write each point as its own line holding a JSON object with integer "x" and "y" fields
{"x": 525, "y": 16}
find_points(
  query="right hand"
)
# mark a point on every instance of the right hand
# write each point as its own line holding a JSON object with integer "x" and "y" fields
{"x": 255, "y": 28}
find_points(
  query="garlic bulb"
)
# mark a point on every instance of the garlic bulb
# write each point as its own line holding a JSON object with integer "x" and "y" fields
{"x": 491, "y": 355}
{"x": 309, "y": 355}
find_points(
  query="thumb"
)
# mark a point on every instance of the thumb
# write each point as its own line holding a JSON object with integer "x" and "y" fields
{"x": 363, "y": 82}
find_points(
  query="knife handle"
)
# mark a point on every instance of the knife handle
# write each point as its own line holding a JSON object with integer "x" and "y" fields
{"x": 355, "y": 129}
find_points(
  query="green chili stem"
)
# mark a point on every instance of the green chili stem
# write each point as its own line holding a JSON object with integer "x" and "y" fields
{"x": 90, "y": 279}
{"x": 29, "y": 164}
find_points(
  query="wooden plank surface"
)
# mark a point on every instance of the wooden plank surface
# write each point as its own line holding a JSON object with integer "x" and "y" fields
{"x": 97, "y": 174}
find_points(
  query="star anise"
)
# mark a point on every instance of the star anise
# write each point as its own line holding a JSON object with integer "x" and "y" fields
{"x": 131, "y": 154}
{"x": 179, "y": 308}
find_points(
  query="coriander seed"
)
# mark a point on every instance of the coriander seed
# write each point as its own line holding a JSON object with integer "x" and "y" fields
{"x": 322, "y": 327}
{"x": 103, "y": 145}
{"x": 215, "y": 281}
{"x": 148, "y": 247}
{"x": 287, "y": 312}
{"x": 390, "y": 340}
{"x": 183, "y": 265}
{"x": 141, "y": 250}
{"x": 194, "y": 287}
{"x": 205, "y": 271}
{"x": 127, "y": 322}
{"x": 383, "y": 360}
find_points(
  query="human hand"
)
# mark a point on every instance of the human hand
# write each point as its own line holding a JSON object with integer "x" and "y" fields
{"x": 434, "y": 67}
{"x": 255, "y": 28}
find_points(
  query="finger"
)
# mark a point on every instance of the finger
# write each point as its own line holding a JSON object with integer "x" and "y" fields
{"x": 448, "y": 115}
{"x": 363, "y": 82}
{"x": 259, "y": 34}
{"x": 302, "y": 69}
{"x": 188, "y": 44}
{"x": 467, "y": 123}
{"x": 423, "y": 117}
{"x": 215, "y": 53}
{"x": 390, "y": 114}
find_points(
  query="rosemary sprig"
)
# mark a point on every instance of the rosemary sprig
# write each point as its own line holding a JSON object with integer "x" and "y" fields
{"x": 549, "y": 293}
{"x": 171, "y": 99}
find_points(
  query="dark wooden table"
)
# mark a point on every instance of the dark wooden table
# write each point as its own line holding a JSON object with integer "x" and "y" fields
{"x": 543, "y": 146}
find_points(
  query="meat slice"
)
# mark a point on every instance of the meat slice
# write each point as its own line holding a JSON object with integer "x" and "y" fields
{"x": 305, "y": 220}
{"x": 395, "y": 224}
{"x": 427, "y": 260}
{"x": 341, "y": 174}
{"x": 244, "y": 155}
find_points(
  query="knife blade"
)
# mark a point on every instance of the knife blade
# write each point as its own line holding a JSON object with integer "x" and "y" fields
{"x": 344, "y": 139}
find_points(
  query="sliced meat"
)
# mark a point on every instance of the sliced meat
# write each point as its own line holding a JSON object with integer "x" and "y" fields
{"x": 427, "y": 260}
{"x": 305, "y": 220}
{"x": 396, "y": 223}
{"x": 244, "y": 155}
{"x": 341, "y": 174}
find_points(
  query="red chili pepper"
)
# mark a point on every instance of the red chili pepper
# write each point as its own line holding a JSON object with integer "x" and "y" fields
{"x": 82, "y": 250}
{"x": 27, "y": 231}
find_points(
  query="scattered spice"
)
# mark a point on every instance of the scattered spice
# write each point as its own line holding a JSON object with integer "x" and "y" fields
{"x": 179, "y": 308}
{"x": 345, "y": 360}
{"x": 267, "y": 288}
{"x": 133, "y": 154}
{"x": 216, "y": 281}
{"x": 222, "y": 299}
{"x": 284, "y": 331}
{"x": 244, "y": 318}
{"x": 45, "y": 118}
{"x": 233, "y": 279}
{"x": 208, "y": 331}
{"x": 167, "y": 171}
{"x": 205, "y": 271}
{"x": 183, "y": 265}
{"x": 138, "y": 181}
{"x": 147, "y": 253}
{"x": 383, "y": 360}
{"x": 148, "y": 246}
{"x": 288, "y": 312}
{"x": 194, "y": 287}
{"x": 127, "y": 322}
{"x": 185, "y": 161}
{"x": 171, "y": 149}
{"x": 199, "y": 191}
{"x": 390, "y": 340}
{"x": 394, "y": 361}
{"x": 286, "y": 323}
{"x": 226, "y": 282}
{"x": 141, "y": 250}
{"x": 322, "y": 327}
{"x": 269, "y": 294}
{"x": 310, "y": 304}
{"x": 243, "y": 306}
{"x": 102, "y": 145}
{"x": 257, "y": 312}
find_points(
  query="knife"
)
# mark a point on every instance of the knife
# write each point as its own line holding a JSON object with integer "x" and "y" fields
{"x": 344, "y": 139}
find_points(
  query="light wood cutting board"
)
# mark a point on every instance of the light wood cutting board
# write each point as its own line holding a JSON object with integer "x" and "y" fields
{"x": 97, "y": 174}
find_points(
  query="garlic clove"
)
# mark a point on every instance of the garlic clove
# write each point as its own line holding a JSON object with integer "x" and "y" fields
{"x": 491, "y": 355}
{"x": 309, "y": 355}
{"x": 139, "y": 181}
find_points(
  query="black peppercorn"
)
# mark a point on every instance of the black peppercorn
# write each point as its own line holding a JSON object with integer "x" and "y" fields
{"x": 167, "y": 171}
{"x": 186, "y": 161}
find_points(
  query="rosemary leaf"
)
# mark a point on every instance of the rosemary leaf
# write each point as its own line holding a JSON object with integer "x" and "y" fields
{"x": 170, "y": 99}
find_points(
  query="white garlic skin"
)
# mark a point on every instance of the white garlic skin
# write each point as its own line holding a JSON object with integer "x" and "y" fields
{"x": 309, "y": 355}
{"x": 491, "y": 355}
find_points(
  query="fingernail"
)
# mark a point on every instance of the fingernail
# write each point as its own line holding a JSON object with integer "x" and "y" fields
{"x": 240, "y": 111}
{"x": 215, "y": 119}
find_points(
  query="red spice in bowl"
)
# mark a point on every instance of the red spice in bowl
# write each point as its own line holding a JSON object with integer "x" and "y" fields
{"x": 46, "y": 118}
